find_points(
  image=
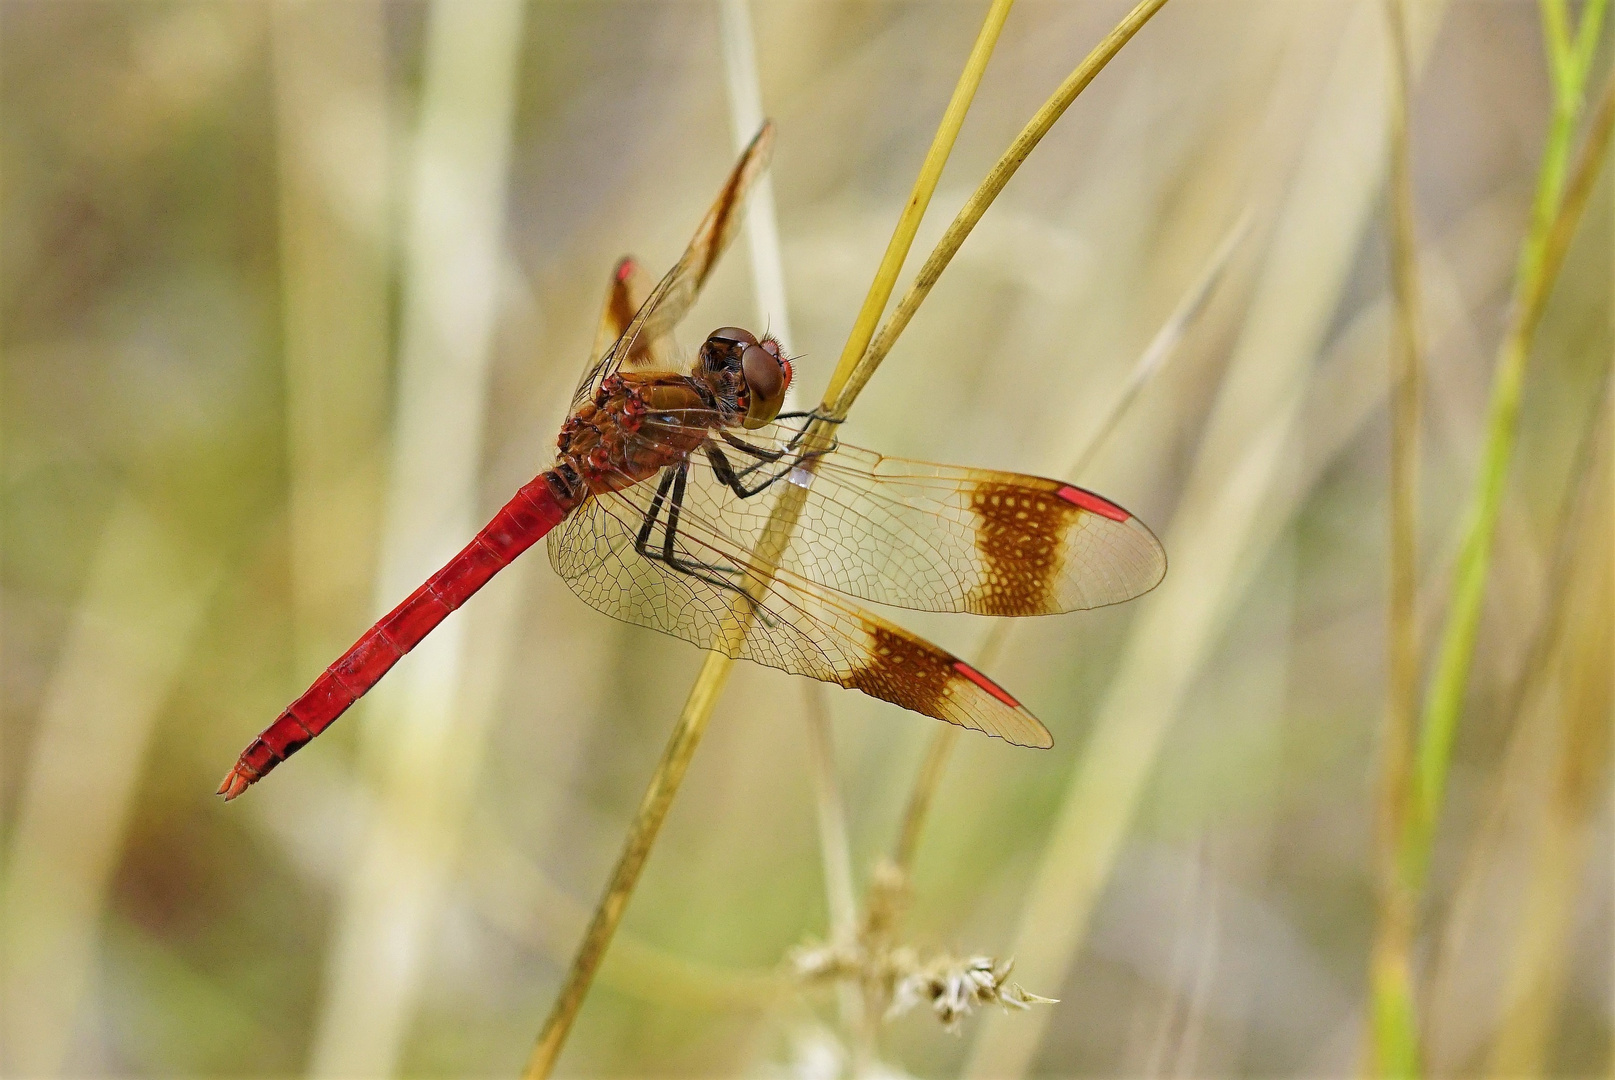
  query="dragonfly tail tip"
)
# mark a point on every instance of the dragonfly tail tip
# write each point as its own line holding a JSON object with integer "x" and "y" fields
{"x": 233, "y": 785}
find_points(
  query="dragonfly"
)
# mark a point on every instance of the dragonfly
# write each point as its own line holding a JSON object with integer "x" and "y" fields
{"x": 664, "y": 485}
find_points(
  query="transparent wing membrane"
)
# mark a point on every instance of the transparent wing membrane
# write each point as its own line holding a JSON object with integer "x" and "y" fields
{"x": 673, "y": 553}
{"x": 931, "y": 537}
{"x": 674, "y": 295}
{"x": 796, "y": 626}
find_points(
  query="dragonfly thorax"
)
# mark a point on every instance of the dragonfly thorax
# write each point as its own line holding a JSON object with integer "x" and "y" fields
{"x": 638, "y": 423}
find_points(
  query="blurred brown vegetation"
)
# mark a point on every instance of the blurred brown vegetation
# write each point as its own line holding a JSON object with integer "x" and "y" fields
{"x": 232, "y": 236}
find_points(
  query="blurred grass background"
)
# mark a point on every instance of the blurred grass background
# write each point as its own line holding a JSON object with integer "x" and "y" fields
{"x": 292, "y": 294}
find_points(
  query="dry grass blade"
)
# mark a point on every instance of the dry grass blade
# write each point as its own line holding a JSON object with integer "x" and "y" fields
{"x": 1239, "y": 490}
{"x": 420, "y": 742}
{"x": 1391, "y": 963}
{"x": 715, "y": 669}
{"x": 841, "y": 393}
{"x": 1151, "y": 362}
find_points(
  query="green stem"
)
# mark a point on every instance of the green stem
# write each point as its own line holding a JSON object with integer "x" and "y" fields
{"x": 1544, "y": 253}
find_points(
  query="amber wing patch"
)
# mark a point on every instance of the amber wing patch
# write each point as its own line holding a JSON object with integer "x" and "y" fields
{"x": 1020, "y": 537}
{"x": 905, "y": 671}
{"x": 911, "y": 672}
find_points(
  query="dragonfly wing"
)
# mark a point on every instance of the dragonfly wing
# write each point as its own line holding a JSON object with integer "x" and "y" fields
{"x": 796, "y": 626}
{"x": 624, "y": 295}
{"x": 934, "y": 537}
{"x": 673, "y": 296}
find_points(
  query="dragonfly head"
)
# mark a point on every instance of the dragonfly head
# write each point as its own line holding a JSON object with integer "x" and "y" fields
{"x": 761, "y": 370}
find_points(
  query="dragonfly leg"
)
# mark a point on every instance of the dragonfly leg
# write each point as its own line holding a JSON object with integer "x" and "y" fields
{"x": 734, "y": 481}
{"x": 760, "y": 452}
{"x": 642, "y": 541}
{"x": 822, "y": 417}
{"x": 670, "y": 533}
{"x": 642, "y": 544}
{"x": 671, "y": 491}
{"x": 764, "y": 456}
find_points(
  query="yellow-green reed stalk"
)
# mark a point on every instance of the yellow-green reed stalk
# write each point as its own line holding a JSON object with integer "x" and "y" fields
{"x": 1556, "y": 214}
{"x": 1390, "y": 968}
{"x": 844, "y": 389}
{"x": 714, "y": 672}
{"x": 1528, "y": 709}
{"x": 1579, "y": 630}
{"x": 1553, "y": 226}
{"x": 1151, "y": 362}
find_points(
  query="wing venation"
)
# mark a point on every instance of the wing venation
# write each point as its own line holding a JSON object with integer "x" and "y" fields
{"x": 796, "y": 626}
{"x": 931, "y": 537}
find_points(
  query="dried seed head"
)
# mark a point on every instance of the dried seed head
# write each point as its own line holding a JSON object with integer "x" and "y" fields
{"x": 954, "y": 988}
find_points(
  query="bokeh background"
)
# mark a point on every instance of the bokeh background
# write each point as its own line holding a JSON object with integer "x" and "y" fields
{"x": 293, "y": 295}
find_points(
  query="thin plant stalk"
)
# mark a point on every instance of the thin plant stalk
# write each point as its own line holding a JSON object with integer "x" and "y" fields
{"x": 835, "y": 848}
{"x": 746, "y": 115}
{"x": 512, "y": 893}
{"x": 1544, "y": 256}
{"x": 1393, "y": 1040}
{"x": 891, "y": 263}
{"x": 1151, "y": 362}
{"x": 842, "y": 392}
{"x": 1525, "y": 705}
{"x": 1244, "y": 482}
{"x": 423, "y": 760}
{"x": 1541, "y": 258}
{"x": 1579, "y": 627}
{"x": 835, "y": 853}
{"x": 715, "y": 669}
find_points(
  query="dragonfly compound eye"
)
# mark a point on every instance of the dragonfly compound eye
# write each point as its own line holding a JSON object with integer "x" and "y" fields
{"x": 766, "y": 378}
{"x": 723, "y": 347}
{"x": 732, "y": 335}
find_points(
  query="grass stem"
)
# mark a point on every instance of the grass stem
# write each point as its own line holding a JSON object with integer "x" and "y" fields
{"x": 1546, "y": 249}
{"x": 1554, "y": 221}
{"x": 1394, "y": 1044}
{"x": 1162, "y": 347}
{"x": 919, "y": 199}
{"x": 1575, "y": 659}
{"x": 842, "y": 392}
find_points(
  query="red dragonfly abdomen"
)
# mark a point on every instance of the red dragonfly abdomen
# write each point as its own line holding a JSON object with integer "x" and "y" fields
{"x": 524, "y": 520}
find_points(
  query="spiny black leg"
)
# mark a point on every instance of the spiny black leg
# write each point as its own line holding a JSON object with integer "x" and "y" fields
{"x": 676, "y": 479}
{"x": 763, "y": 455}
{"x": 642, "y": 541}
{"x": 747, "y": 448}
{"x": 729, "y": 478}
{"x": 674, "y": 507}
